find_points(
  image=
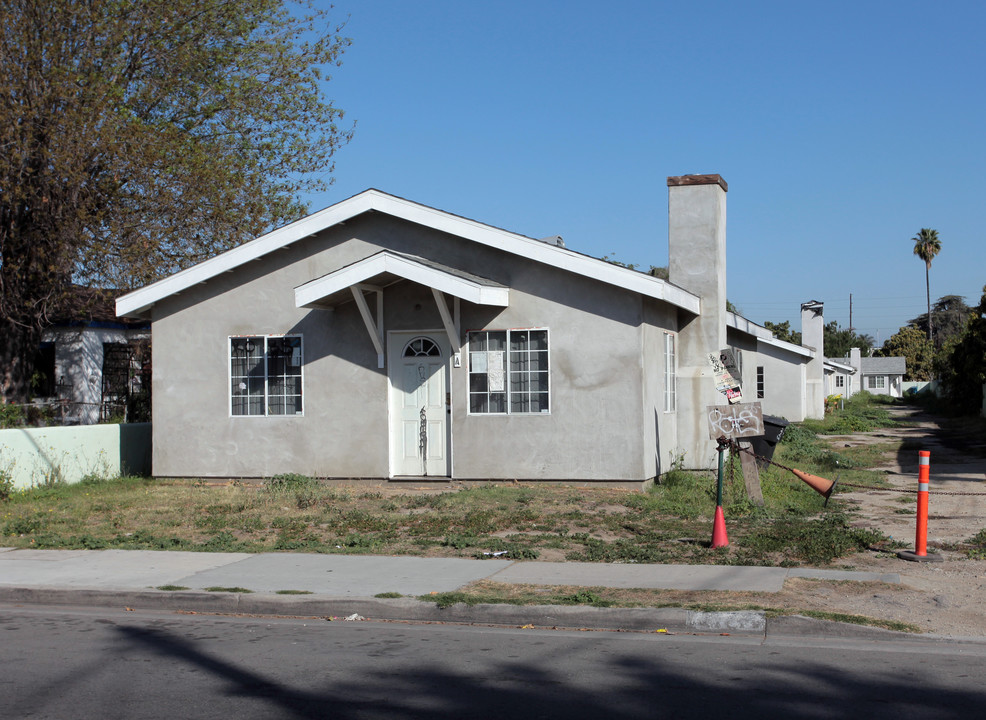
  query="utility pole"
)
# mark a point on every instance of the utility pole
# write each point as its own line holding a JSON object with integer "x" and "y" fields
{"x": 851, "y": 328}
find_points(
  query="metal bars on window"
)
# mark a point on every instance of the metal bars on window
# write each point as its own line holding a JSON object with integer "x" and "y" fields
{"x": 265, "y": 376}
{"x": 509, "y": 372}
{"x": 760, "y": 381}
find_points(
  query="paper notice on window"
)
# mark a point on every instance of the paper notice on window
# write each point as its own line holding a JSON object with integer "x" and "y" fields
{"x": 494, "y": 371}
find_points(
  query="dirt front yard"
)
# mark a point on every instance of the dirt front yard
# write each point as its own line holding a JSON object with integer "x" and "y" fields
{"x": 947, "y": 597}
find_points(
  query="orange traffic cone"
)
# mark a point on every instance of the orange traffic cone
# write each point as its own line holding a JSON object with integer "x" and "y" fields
{"x": 719, "y": 538}
{"x": 819, "y": 484}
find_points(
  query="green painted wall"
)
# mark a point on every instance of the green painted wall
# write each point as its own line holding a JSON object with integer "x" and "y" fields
{"x": 34, "y": 456}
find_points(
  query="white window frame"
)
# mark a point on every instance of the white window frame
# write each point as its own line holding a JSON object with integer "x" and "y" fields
{"x": 266, "y": 374}
{"x": 507, "y": 372}
{"x": 876, "y": 382}
{"x": 840, "y": 381}
{"x": 670, "y": 372}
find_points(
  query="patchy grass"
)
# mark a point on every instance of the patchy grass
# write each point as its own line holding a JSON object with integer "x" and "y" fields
{"x": 894, "y": 625}
{"x": 234, "y": 589}
{"x": 171, "y": 588}
{"x": 493, "y": 593}
{"x": 862, "y": 412}
{"x": 671, "y": 523}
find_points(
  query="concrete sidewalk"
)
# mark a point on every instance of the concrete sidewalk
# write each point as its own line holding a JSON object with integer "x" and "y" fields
{"x": 369, "y": 575}
{"x": 341, "y": 585}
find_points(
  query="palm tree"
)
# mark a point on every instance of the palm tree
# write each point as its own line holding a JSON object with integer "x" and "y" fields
{"x": 926, "y": 246}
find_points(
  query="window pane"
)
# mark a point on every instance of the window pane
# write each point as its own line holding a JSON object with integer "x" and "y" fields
{"x": 496, "y": 340}
{"x": 520, "y": 402}
{"x": 519, "y": 361}
{"x": 479, "y": 403}
{"x": 539, "y": 339}
{"x": 498, "y": 402}
{"x": 478, "y": 382}
{"x": 519, "y": 382}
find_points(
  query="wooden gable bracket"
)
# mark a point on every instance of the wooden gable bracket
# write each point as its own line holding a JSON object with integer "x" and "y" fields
{"x": 451, "y": 323}
{"x": 374, "y": 328}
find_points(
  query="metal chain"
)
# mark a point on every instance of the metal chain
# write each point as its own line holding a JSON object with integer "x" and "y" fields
{"x": 735, "y": 447}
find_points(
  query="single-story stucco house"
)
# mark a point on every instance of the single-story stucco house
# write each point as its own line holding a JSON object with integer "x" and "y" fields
{"x": 90, "y": 362}
{"x": 876, "y": 375}
{"x": 384, "y": 338}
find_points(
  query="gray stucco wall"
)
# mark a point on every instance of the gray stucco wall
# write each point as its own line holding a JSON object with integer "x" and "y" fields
{"x": 598, "y": 351}
{"x": 784, "y": 383}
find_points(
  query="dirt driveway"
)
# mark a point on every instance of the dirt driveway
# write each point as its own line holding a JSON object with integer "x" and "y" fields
{"x": 947, "y": 597}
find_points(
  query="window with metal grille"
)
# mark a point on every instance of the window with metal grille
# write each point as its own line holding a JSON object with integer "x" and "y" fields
{"x": 265, "y": 376}
{"x": 508, "y": 372}
{"x": 760, "y": 381}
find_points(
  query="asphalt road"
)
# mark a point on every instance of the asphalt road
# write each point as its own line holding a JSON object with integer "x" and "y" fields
{"x": 100, "y": 663}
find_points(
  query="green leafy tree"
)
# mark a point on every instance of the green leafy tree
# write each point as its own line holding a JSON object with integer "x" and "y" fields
{"x": 783, "y": 331}
{"x": 950, "y": 315}
{"x": 962, "y": 364}
{"x": 911, "y": 343}
{"x": 138, "y": 138}
{"x": 838, "y": 341}
{"x": 927, "y": 246}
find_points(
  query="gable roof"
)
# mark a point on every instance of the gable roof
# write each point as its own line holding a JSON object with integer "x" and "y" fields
{"x": 385, "y": 267}
{"x": 883, "y": 365}
{"x": 839, "y": 365}
{"x": 139, "y": 302}
{"x": 765, "y": 336}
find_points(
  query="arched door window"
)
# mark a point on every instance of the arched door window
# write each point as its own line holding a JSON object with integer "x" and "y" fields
{"x": 422, "y": 347}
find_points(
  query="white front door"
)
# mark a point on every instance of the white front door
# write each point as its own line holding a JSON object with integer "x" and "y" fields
{"x": 418, "y": 410}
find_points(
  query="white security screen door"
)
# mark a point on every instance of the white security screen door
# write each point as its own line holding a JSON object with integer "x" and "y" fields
{"x": 419, "y": 418}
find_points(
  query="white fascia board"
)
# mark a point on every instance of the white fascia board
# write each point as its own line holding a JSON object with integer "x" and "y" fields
{"x": 839, "y": 366}
{"x": 310, "y": 293}
{"x": 141, "y": 300}
{"x": 738, "y": 322}
{"x": 790, "y": 347}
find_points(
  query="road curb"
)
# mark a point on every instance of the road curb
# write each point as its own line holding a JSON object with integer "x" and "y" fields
{"x": 749, "y": 623}
{"x": 407, "y": 609}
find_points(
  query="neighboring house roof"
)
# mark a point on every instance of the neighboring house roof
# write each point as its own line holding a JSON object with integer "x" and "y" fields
{"x": 139, "y": 302}
{"x": 839, "y": 365}
{"x": 883, "y": 365}
{"x": 82, "y": 306}
{"x": 762, "y": 334}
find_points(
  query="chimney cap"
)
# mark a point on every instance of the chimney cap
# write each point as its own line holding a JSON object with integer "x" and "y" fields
{"x": 681, "y": 180}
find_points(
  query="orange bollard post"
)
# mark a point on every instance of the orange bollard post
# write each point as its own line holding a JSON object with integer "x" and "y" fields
{"x": 920, "y": 552}
{"x": 924, "y": 471}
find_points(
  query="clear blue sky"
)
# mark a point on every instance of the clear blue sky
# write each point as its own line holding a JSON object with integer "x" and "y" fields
{"x": 842, "y": 129}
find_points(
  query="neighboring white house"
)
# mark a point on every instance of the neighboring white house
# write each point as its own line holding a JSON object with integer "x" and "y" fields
{"x": 89, "y": 362}
{"x": 875, "y": 375}
{"x": 840, "y": 378}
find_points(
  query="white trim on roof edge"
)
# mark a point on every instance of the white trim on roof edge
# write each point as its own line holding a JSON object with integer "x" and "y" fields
{"x": 762, "y": 334}
{"x": 311, "y": 292}
{"x": 138, "y": 302}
